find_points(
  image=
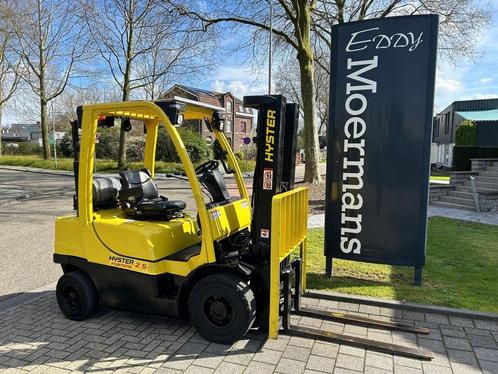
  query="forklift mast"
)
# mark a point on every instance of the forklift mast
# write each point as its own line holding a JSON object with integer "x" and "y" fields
{"x": 275, "y": 162}
{"x": 273, "y": 174}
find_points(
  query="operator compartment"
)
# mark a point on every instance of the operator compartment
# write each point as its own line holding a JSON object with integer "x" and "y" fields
{"x": 154, "y": 227}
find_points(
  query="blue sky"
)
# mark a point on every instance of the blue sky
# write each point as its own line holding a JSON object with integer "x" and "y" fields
{"x": 471, "y": 80}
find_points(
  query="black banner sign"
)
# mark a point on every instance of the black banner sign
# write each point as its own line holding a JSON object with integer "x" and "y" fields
{"x": 379, "y": 135}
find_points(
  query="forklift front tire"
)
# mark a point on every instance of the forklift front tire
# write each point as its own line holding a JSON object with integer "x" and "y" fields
{"x": 222, "y": 307}
{"x": 76, "y": 295}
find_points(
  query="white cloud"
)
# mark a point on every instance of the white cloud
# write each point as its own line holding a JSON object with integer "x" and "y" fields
{"x": 240, "y": 81}
{"x": 485, "y": 80}
{"x": 238, "y": 88}
{"x": 446, "y": 85}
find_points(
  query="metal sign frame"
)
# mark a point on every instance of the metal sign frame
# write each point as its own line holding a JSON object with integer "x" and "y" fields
{"x": 381, "y": 104}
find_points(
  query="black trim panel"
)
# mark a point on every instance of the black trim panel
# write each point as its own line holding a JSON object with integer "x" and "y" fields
{"x": 124, "y": 289}
{"x": 185, "y": 254}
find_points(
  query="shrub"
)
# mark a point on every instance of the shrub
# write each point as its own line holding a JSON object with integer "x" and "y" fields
{"x": 462, "y": 155}
{"x": 108, "y": 146}
{"x": 65, "y": 146}
{"x": 466, "y": 134}
{"x": 197, "y": 148}
{"x": 21, "y": 148}
{"x": 249, "y": 152}
{"x": 135, "y": 148}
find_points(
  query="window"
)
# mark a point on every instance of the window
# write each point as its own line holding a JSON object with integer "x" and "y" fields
{"x": 243, "y": 127}
{"x": 447, "y": 123}
{"x": 436, "y": 127}
{"x": 228, "y": 125}
{"x": 241, "y": 108}
{"x": 229, "y": 106}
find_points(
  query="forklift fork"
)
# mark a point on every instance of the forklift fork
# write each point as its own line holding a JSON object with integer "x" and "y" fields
{"x": 292, "y": 304}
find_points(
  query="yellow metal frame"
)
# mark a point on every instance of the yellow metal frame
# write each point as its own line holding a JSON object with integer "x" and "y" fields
{"x": 216, "y": 223}
{"x": 289, "y": 230}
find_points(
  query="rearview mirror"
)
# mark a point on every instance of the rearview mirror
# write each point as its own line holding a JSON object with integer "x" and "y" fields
{"x": 125, "y": 124}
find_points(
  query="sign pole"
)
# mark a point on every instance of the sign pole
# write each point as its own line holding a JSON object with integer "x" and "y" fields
{"x": 328, "y": 267}
{"x": 417, "y": 279}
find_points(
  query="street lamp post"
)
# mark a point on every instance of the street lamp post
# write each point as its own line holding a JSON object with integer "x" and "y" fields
{"x": 53, "y": 134}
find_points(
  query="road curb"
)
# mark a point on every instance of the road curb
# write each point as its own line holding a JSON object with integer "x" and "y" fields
{"x": 66, "y": 173}
{"x": 37, "y": 170}
{"x": 402, "y": 305}
{"x": 26, "y": 297}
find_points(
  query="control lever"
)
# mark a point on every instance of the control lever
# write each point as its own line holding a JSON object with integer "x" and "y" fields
{"x": 177, "y": 175}
{"x": 220, "y": 154}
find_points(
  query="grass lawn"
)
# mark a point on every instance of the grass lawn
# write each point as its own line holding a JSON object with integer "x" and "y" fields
{"x": 103, "y": 166}
{"x": 461, "y": 269}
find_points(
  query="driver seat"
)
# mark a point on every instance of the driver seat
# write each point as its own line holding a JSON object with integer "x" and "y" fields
{"x": 140, "y": 198}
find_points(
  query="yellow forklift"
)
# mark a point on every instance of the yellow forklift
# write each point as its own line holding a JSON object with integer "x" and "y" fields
{"x": 228, "y": 267}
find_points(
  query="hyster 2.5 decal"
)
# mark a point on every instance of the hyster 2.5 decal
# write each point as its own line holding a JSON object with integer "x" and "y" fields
{"x": 126, "y": 263}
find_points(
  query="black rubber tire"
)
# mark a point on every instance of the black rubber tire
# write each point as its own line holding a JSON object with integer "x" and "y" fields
{"x": 76, "y": 295}
{"x": 236, "y": 300}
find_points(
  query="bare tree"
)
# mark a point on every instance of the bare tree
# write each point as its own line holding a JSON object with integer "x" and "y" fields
{"x": 303, "y": 26}
{"x": 292, "y": 28}
{"x": 183, "y": 52}
{"x": 287, "y": 83}
{"x": 9, "y": 65}
{"x": 49, "y": 40}
{"x": 143, "y": 44}
{"x": 457, "y": 36}
{"x": 73, "y": 96}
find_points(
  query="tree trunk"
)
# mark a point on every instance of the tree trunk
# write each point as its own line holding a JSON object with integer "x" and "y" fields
{"x": 44, "y": 129}
{"x": 305, "y": 57}
{"x": 1, "y": 113}
{"x": 126, "y": 79}
{"x": 311, "y": 147}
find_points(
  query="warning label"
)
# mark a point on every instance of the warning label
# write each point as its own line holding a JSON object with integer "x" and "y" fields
{"x": 267, "y": 179}
{"x": 265, "y": 233}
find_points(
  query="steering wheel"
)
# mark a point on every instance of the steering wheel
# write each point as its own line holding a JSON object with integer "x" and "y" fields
{"x": 206, "y": 166}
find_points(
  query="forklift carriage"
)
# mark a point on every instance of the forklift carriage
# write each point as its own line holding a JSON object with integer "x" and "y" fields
{"x": 225, "y": 268}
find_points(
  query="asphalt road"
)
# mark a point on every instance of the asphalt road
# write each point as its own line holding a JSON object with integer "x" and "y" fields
{"x": 29, "y": 204}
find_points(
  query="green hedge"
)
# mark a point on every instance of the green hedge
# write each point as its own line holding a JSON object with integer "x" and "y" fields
{"x": 488, "y": 152}
{"x": 196, "y": 146}
{"x": 462, "y": 155}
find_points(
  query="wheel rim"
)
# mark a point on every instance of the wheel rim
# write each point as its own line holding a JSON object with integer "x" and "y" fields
{"x": 70, "y": 298}
{"x": 218, "y": 311}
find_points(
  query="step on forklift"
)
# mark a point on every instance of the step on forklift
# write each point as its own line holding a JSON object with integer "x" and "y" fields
{"x": 227, "y": 268}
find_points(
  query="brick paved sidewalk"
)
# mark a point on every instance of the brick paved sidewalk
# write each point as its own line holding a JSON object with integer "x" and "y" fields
{"x": 36, "y": 337}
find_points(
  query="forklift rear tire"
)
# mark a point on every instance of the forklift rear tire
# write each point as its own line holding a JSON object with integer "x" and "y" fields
{"x": 222, "y": 307}
{"x": 76, "y": 295}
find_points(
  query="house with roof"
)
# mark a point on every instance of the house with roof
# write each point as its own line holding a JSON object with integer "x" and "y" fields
{"x": 239, "y": 120}
{"x": 21, "y": 132}
{"x": 484, "y": 113}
